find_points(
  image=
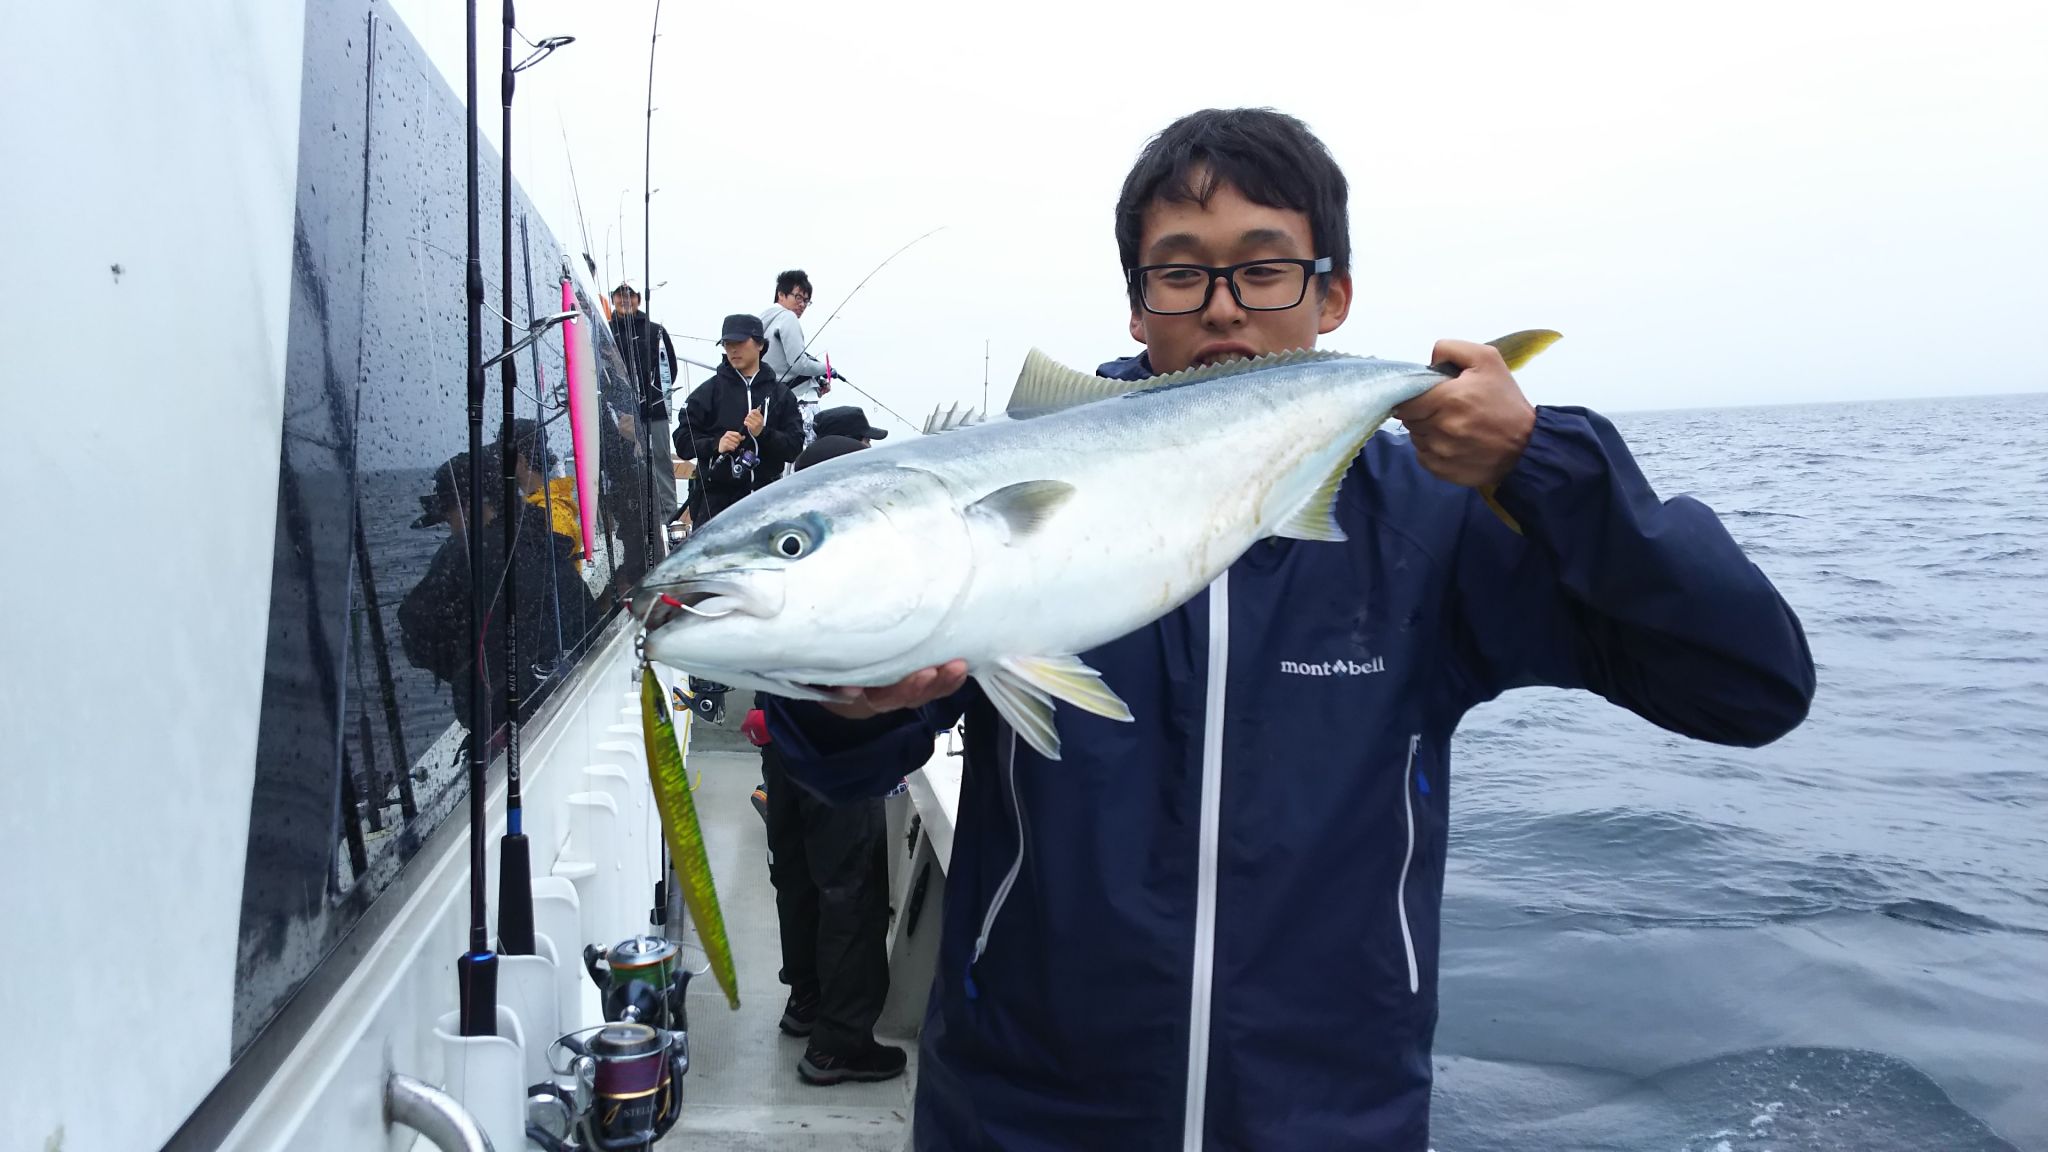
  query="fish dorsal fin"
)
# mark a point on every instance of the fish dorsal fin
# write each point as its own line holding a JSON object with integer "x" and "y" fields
{"x": 1045, "y": 385}
{"x": 949, "y": 419}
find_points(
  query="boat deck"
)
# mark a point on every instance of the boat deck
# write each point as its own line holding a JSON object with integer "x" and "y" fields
{"x": 743, "y": 1092}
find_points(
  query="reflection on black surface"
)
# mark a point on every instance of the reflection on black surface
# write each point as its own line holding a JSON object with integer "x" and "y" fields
{"x": 364, "y": 713}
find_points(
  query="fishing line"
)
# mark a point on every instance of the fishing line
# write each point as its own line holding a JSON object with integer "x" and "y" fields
{"x": 813, "y": 338}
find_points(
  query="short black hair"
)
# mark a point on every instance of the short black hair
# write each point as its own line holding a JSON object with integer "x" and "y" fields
{"x": 792, "y": 280}
{"x": 1269, "y": 156}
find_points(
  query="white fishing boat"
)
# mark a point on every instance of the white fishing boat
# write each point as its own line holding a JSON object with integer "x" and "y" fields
{"x": 236, "y": 774}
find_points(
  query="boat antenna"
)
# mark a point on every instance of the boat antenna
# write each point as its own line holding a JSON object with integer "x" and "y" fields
{"x": 477, "y": 969}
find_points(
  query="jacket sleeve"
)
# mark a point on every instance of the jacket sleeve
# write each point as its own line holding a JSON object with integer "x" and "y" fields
{"x": 783, "y": 436}
{"x": 844, "y": 760}
{"x": 791, "y": 335}
{"x": 1651, "y": 604}
{"x": 700, "y": 420}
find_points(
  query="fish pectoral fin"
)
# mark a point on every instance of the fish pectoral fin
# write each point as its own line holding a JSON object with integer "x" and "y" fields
{"x": 1068, "y": 678}
{"x": 1026, "y": 707}
{"x": 1316, "y": 519}
{"x": 1023, "y": 508}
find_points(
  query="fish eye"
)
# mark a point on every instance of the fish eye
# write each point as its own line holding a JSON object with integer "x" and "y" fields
{"x": 790, "y": 543}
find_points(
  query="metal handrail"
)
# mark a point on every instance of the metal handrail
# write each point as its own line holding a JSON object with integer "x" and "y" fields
{"x": 434, "y": 1114}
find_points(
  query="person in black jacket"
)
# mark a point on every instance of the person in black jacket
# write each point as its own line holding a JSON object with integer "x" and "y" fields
{"x": 741, "y": 426}
{"x": 553, "y": 610}
{"x": 641, "y": 344}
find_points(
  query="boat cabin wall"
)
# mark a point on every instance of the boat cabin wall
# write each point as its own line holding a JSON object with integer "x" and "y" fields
{"x": 236, "y": 364}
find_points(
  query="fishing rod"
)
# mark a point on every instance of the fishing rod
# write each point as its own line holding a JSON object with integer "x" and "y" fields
{"x": 576, "y": 193}
{"x": 640, "y": 367}
{"x": 813, "y": 339}
{"x": 658, "y": 915}
{"x": 477, "y": 969}
{"x": 864, "y": 283}
{"x": 515, "y": 859}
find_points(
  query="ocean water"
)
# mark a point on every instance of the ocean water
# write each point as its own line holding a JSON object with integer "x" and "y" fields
{"x": 1836, "y": 942}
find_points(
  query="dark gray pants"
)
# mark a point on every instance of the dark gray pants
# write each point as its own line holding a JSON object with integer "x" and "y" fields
{"x": 831, "y": 895}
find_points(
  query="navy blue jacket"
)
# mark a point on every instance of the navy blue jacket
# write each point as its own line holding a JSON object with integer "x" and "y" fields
{"x": 1218, "y": 924}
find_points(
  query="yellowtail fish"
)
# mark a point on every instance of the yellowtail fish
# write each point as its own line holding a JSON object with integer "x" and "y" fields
{"x": 685, "y": 836}
{"x": 1093, "y": 507}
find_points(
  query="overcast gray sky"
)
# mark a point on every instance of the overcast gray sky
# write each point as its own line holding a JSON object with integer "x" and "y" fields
{"x": 1727, "y": 204}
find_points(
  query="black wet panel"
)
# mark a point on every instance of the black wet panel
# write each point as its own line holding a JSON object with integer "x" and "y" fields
{"x": 362, "y": 742}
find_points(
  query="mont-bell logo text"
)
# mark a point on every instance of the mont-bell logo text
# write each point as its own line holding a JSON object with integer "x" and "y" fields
{"x": 1335, "y": 667}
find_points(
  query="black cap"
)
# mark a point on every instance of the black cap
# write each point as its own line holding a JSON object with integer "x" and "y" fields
{"x": 847, "y": 421}
{"x": 449, "y": 480}
{"x": 743, "y": 326}
{"x": 825, "y": 448}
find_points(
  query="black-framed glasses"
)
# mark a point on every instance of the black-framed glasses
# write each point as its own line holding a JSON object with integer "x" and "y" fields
{"x": 1274, "y": 284}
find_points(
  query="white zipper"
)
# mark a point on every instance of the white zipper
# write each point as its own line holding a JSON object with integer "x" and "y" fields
{"x": 1401, "y": 889}
{"x": 995, "y": 907}
{"x": 1205, "y": 872}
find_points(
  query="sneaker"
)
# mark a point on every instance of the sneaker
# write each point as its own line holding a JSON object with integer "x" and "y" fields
{"x": 760, "y": 799}
{"x": 872, "y": 1063}
{"x": 799, "y": 1015}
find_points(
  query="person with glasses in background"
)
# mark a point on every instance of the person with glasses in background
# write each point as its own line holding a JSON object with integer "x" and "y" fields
{"x": 807, "y": 376}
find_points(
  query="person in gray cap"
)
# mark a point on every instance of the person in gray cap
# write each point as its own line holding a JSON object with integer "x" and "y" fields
{"x": 850, "y": 421}
{"x": 741, "y": 426}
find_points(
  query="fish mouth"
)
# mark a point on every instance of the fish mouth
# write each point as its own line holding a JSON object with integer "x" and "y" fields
{"x": 749, "y": 593}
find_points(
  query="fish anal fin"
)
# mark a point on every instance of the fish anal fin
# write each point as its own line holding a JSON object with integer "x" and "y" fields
{"x": 1027, "y": 709}
{"x": 1024, "y": 507}
{"x": 1068, "y": 678}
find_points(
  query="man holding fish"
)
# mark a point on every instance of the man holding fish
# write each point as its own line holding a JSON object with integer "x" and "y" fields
{"x": 1216, "y": 667}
